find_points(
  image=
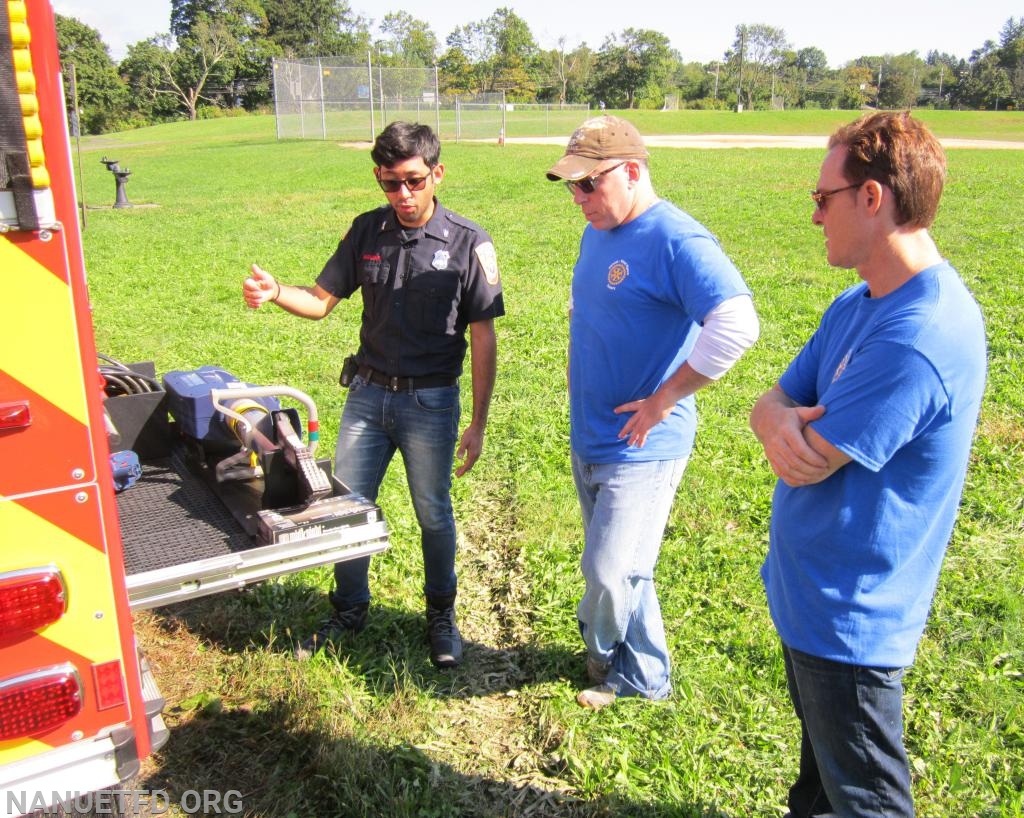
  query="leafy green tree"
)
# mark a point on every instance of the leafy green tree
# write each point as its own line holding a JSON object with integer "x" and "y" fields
{"x": 407, "y": 41}
{"x": 316, "y": 28}
{"x": 984, "y": 82}
{"x": 245, "y": 76}
{"x": 634, "y": 69}
{"x": 102, "y": 94}
{"x": 566, "y": 74}
{"x": 143, "y": 69}
{"x": 858, "y": 86}
{"x": 1011, "y": 57}
{"x": 900, "y": 80}
{"x": 940, "y": 77}
{"x": 814, "y": 62}
{"x": 502, "y": 53}
{"x": 516, "y": 55}
{"x": 456, "y": 75}
{"x": 470, "y": 55}
{"x": 206, "y": 56}
{"x": 693, "y": 81}
{"x": 756, "y": 56}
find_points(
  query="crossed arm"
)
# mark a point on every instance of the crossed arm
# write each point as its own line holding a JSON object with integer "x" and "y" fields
{"x": 798, "y": 455}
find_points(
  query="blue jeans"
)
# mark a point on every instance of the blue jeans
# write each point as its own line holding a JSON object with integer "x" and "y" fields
{"x": 625, "y": 507}
{"x": 852, "y": 761}
{"x": 423, "y": 425}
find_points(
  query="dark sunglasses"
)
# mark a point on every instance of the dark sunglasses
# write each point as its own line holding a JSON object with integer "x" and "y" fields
{"x": 589, "y": 184}
{"x": 395, "y": 185}
{"x": 821, "y": 196}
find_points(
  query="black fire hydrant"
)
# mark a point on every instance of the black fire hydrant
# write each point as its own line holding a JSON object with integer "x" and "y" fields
{"x": 120, "y": 178}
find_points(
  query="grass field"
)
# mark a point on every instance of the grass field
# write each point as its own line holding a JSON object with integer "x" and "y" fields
{"x": 375, "y": 730}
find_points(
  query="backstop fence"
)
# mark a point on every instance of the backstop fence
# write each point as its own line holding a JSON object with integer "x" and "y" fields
{"x": 333, "y": 98}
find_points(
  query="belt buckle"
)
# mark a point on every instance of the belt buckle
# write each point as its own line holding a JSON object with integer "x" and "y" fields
{"x": 393, "y": 383}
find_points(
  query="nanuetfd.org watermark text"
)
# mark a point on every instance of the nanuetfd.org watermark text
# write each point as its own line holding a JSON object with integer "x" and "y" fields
{"x": 123, "y": 803}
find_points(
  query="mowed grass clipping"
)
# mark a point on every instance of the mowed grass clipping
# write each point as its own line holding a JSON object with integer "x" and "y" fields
{"x": 374, "y": 730}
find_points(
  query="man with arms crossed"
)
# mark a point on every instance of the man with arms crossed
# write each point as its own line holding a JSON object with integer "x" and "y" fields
{"x": 869, "y": 431}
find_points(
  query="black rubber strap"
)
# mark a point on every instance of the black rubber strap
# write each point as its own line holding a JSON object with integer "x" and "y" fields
{"x": 15, "y": 170}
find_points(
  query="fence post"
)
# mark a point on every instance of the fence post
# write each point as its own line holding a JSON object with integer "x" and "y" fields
{"x": 504, "y": 108}
{"x": 320, "y": 85}
{"x": 369, "y": 75}
{"x": 437, "y": 104}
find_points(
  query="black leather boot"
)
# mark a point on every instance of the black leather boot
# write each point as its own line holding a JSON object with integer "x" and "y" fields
{"x": 442, "y": 632}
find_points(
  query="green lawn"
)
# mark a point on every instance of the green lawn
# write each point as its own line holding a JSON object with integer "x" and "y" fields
{"x": 375, "y": 730}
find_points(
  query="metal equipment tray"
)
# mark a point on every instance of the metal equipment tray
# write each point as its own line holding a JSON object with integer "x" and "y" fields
{"x": 182, "y": 540}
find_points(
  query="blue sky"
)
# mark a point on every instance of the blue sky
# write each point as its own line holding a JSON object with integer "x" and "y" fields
{"x": 700, "y": 32}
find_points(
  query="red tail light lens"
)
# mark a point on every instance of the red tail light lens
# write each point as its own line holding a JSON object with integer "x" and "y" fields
{"x": 38, "y": 702}
{"x": 109, "y": 684}
{"x": 29, "y": 600}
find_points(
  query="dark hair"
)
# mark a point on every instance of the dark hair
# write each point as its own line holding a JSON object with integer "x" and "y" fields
{"x": 406, "y": 140}
{"x": 893, "y": 148}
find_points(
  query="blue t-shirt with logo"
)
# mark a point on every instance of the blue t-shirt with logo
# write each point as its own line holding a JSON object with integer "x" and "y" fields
{"x": 854, "y": 560}
{"x": 639, "y": 294}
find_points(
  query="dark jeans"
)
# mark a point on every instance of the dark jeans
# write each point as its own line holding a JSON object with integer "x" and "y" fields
{"x": 852, "y": 761}
{"x": 423, "y": 426}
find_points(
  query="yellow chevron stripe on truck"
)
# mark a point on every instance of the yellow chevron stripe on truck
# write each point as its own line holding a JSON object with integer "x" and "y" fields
{"x": 46, "y": 356}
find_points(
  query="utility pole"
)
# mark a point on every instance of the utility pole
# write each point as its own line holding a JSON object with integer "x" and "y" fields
{"x": 739, "y": 81}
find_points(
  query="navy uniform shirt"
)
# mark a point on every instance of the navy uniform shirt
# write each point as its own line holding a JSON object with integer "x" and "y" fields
{"x": 421, "y": 288}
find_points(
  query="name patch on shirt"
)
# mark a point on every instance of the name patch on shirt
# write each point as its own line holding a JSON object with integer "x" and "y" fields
{"x": 488, "y": 261}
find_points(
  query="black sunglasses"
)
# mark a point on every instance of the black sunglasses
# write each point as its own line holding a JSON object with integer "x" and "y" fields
{"x": 395, "y": 185}
{"x": 588, "y": 184}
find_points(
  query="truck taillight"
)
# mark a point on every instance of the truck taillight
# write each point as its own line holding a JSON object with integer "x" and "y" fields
{"x": 38, "y": 702}
{"x": 30, "y": 599}
{"x": 109, "y": 684}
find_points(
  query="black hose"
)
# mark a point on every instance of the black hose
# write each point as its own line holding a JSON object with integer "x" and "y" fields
{"x": 120, "y": 380}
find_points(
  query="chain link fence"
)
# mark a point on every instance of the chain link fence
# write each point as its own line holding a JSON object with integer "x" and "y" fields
{"x": 335, "y": 98}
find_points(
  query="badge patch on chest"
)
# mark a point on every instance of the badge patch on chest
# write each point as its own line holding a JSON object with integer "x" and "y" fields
{"x": 489, "y": 261}
{"x": 617, "y": 273}
{"x": 440, "y": 261}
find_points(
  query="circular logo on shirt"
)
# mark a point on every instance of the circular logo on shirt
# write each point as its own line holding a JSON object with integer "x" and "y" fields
{"x": 617, "y": 273}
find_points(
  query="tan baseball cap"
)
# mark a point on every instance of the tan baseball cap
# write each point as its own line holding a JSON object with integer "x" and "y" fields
{"x": 598, "y": 139}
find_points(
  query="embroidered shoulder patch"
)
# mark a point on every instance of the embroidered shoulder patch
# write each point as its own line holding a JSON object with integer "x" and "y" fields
{"x": 489, "y": 261}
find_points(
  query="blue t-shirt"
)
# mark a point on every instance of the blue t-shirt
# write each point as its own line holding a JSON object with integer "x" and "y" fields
{"x": 639, "y": 295}
{"x": 854, "y": 560}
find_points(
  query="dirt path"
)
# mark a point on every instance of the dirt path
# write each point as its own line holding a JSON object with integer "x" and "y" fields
{"x": 756, "y": 141}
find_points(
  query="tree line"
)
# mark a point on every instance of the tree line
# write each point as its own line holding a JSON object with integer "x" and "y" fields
{"x": 217, "y": 57}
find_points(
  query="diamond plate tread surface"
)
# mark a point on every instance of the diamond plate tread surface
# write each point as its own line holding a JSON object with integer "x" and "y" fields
{"x": 171, "y": 517}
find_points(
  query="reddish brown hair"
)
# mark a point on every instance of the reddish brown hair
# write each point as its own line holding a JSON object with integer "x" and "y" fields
{"x": 898, "y": 151}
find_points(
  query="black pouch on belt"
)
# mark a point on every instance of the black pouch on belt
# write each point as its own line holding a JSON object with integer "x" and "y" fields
{"x": 348, "y": 371}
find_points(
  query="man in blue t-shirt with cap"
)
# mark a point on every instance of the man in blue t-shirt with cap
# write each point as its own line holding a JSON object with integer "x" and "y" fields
{"x": 657, "y": 312}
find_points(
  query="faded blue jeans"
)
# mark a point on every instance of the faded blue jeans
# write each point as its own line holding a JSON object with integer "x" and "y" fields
{"x": 423, "y": 426}
{"x": 852, "y": 760}
{"x": 625, "y": 508}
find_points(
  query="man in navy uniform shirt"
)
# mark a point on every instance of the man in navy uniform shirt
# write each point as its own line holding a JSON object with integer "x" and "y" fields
{"x": 427, "y": 275}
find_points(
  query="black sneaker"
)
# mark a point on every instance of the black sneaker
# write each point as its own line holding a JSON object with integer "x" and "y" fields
{"x": 444, "y": 636}
{"x": 346, "y": 621}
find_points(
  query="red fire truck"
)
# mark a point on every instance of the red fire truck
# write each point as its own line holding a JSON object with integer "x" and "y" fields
{"x": 223, "y": 491}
